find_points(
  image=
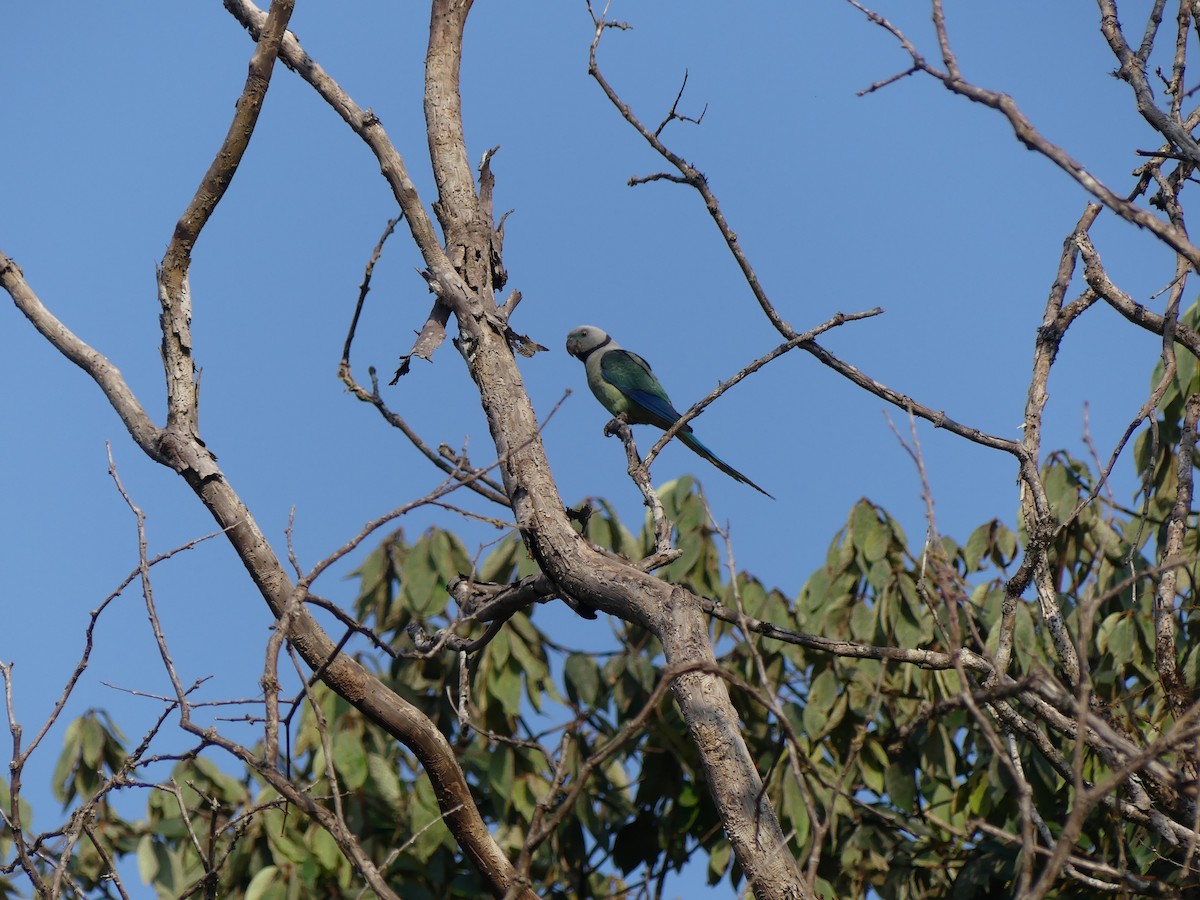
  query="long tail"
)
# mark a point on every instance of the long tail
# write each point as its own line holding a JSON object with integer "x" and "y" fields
{"x": 696, "y": 446}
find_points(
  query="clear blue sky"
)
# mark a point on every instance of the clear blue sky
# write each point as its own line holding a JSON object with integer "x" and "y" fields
{"x": 909, "y": 198}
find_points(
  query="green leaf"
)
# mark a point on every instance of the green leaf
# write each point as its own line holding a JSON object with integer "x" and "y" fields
{"x": 93, "y": 742}
{"x": 448, "y": 556}
{"x": 386, "y": 781}
{"x": 374, "y": 582}
{"x": 224, "y": 786}
{"x": 581, "y": 676}
{"x": 1191, "y": 667}
{"x": 350, "y": 759}
{"x": 718, "y": 861}
{"x": 501, "y": 563}
{"x": 795, "y": 813}
{"x": 505, "y": 686}
{"x": 1120, "y": 640}
{"x": 147, "y": 859}
{"x": 979, "y": 802}
{"x": 977, "y": 545}
{"x": 530, "y": 665}
{"x": 643, "y": 671}
{"x": 819, "y": 704}
{"x": 909, "y": 632}
{"x": 618, "y": 777}
{"x": 863, "y": 619}
{"x": 1185, "y": 373}
{"x": 523, "y": 800}
{"x": 1061, "y": 490}
{"x": 599, "y": 531}
{"x": 501, "y": 776}
{"x": 283, "y": 838}
{"x": 423, "y": 588}
{"x": 63, "y": 781}
{"x": 900, "y": 787}
{"x": 1004, "y": 544}
{"x": 878, "y": 541}
{"x": 497, "y": 650}
{"x": 428, "y": 829}
{"x": 326, "y": 850}
{"x": 866, "y": 530}
{"x": 261, "y": 885}
{"x": 871, "y": 768}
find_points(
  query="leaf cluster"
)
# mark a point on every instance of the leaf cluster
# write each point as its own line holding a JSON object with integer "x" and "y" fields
{"x": 888, "y": 776}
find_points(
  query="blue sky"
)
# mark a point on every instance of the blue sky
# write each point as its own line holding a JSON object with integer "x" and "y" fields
{"x": 909, "y": 198}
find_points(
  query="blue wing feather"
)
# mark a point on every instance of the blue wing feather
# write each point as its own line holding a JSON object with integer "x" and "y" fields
{"x": 631, "y": 375}
{"x": 659, "y": 408}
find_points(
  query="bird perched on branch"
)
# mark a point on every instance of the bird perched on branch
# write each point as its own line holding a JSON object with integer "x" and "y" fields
{"x": 624, "y": 385}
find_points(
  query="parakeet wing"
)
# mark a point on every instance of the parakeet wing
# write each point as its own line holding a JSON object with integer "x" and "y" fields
{"x": 631, "y": 375}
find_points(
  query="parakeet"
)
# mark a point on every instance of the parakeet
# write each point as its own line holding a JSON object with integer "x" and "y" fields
{"x": 623, "y": 383}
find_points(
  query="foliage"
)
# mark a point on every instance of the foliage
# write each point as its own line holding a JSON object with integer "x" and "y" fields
{"x": 880, "y": 768}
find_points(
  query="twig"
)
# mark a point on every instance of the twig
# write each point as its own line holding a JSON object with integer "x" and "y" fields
{"x": 363, "y": 287}
{"x": 1027, "y": 134}
{"x": 639, "y": 471}
{"x": 722, "y": 387}
{"x": 687, "y": 174}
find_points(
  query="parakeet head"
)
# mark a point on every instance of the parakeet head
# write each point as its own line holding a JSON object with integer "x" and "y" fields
{"x": 584, "y": 339}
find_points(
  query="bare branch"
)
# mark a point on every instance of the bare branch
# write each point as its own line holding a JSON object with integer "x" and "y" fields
{"x": 107, "y": 377}
{"x": 174, "y": 290}
{"x": 364, "y": 123}
{"x": 799, "y": 340}
{"x": 687, "y": 174}
{"x": 640, "y": 473}
{"x": 1027, "y": 134}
